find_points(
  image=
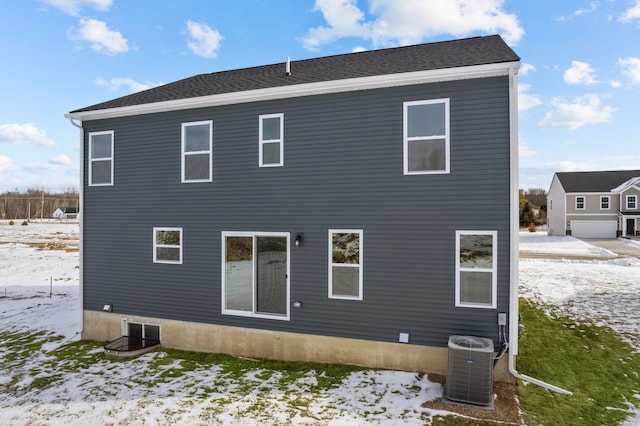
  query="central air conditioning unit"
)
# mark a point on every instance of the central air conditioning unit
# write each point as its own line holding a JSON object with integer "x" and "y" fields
{"x": 470, "y": 370}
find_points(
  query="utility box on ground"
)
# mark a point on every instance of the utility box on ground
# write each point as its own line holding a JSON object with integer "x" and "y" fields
{"x": 470, "y": 370}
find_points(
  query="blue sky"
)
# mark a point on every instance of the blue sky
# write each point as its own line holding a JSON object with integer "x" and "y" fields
{"x": 579, "y": 81}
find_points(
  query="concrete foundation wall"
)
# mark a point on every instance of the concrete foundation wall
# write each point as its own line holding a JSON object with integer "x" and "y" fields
{"x": 254, "y": 343}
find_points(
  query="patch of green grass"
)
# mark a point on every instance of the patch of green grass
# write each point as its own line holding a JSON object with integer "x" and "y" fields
{"x": 592, "y": 362}
{"x": 18, "y": 346}
{"x": 45, "y": 381}
{"x": 76, "y": 356}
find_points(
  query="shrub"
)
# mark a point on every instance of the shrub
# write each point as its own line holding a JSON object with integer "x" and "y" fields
{"x": 11, "y": 222}
{"x": 25, "y": 223}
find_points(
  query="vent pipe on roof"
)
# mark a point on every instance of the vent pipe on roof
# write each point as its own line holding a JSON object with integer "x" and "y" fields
{"x": 287, "y": 69}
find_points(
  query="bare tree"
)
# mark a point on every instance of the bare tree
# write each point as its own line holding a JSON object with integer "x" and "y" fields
{"x": 35, "y": 203}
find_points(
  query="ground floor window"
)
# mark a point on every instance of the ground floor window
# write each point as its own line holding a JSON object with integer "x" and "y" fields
{"x": 167, "y": 245}
{"x": 345, "y": 264}
{"x": 255, "y": 274}
{"x": 476, "y": 266}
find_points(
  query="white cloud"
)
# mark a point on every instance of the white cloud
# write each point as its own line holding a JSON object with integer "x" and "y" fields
{"x": 525, "y": 150}
{"x": 59, "y": 163}
{"x": 72, "y": 7}
{"x": 128, "y": 82}
{"x": 204, "y": 41}
{"x": 631, "y": 68}
{"x": 100, "y": 37}
{"x": 526, "y": 68}
{"x": 564, "y": 166}
{"x": 5, "y": 164}
{"x": 580, "y": 73}
{"x": 24, "y": 133}
{"x": 631, "y": 14}
{"x": 583, "y": 11}
{"x": 61, "y": 159}
{"x": 582, "y": 111}
{"x": 410, "y": 21}
{"x": 615, "y": 84}
{"x": 526, "y": 100}
{"x": 632, "y": 161}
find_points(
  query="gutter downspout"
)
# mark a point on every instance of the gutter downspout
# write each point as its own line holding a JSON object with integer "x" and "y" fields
{"x": 515, "y": 221}
{"x": 80, "y": 220}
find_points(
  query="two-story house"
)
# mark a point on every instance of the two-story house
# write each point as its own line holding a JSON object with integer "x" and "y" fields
{"x": 357, "y": 208}
{"x": 600, "y": 204}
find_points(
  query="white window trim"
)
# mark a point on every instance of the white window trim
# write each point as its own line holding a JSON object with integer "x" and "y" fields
{"x": 253, "y": 313}
{"x": 635, "y": 202}
{"x": 493, "y": 270}
{"x": 407, "y": 140}
{"x": 263, "y": 142}
{"x": 608, "y": 198}
{"x": 346, "y": 265}
{"x": 584, "y": 202}
{"x": 183, "y": 153}
{"x": 156, "y": 246}
{"x": 91, "y": 160}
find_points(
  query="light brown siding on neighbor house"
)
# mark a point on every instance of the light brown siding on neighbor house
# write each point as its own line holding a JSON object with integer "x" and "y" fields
{"x": 592, "y": 204}
{"x": 631, "y": 191}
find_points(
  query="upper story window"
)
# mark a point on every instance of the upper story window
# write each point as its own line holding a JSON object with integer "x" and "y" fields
{"x": 426, "y": 136}
{"x": 271, "y": 140}
{"x": 345, "y": 264}
{"x": 476, "y": 269}
{"x": 101, "y": 158}
{"x": 632, "y": 202}
{"x": 580, "y": 202}
{"x": 167, "y": 245}
{"x": 197, "y": 147}
{"x": 604, "y": 202}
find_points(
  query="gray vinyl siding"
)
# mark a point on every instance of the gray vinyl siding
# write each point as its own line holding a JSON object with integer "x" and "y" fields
{"x": 343, "y": 169}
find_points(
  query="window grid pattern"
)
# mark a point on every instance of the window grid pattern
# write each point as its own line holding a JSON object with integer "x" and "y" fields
{"x": 167, "y": 245}
{"x": 101, "y": 158}
{"x": 197, "y": 149}
{"x": 476, "y": 269}
{"x": 271, "y": 136}
{"x": 345, "y": 264}
{"x": 426, "y": 136}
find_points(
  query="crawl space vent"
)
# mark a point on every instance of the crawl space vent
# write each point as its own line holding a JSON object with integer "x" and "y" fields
{"x": 470, "y": 370}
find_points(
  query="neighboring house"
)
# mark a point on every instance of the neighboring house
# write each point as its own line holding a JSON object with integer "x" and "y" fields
{"x": 357, "y": 208}
{"x": 594, "y": 204}
{"x": 65, "y": 213}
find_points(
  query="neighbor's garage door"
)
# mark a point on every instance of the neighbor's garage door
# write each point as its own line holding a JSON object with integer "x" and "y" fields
{"x": 594, "y": 228}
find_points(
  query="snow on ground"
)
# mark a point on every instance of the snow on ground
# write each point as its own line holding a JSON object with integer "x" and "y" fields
{"x": 39, "y": 292}
{"x": 540, "y": 242}
{"x": 604, "y": 291}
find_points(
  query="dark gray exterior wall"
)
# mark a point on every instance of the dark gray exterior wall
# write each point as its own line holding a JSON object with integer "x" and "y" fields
{"x": 343, "y": 169}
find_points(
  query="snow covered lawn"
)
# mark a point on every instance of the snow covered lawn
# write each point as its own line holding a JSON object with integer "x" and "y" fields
{"x": 604, "y": 291}
{"x": 39, "y": 294}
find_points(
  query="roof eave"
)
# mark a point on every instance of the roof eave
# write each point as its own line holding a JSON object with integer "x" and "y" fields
{"x": 633, "y": 182}
{"x": 307, "y": 89}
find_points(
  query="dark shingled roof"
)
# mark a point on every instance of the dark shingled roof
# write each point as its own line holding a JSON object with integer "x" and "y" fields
{"x": 421, "y": 57}
{"x": 595, "y": 181}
